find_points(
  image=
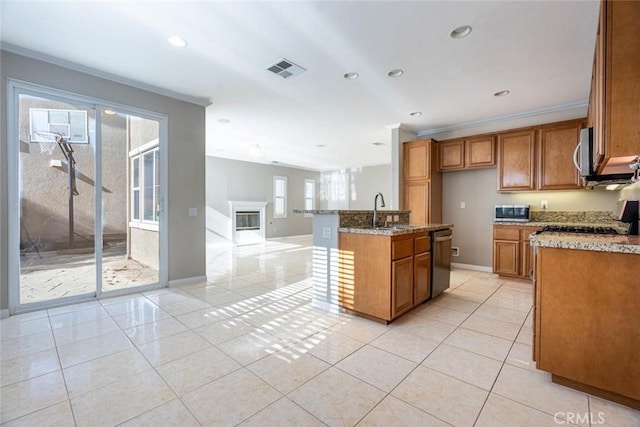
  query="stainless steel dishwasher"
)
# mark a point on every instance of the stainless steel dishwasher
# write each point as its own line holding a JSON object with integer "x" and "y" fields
{"x": 440, "y": 261}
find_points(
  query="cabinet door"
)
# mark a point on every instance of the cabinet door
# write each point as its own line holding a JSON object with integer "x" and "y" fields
{"x": 598, "y": 87}
{"x": 622, "y": 80}
{"x": 401, "y": 286}
{"x": 421, "y": 277}
{"x": 556, "y": 170}
{"x": 506, "y": 258}
{"x": 451, "y": 155}
{"x": 416, "y": 198}
{"x": 416, "y": 160}
{"x": 516, "y": 160}
{"x": 480, "y": 152}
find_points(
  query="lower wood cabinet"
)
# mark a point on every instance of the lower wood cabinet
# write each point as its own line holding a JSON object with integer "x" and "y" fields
{"x": 384, "y": 276}
{"x": 401, "y": 286}
{"x": 512, "y": 255}
{"x": 586, "y": 321}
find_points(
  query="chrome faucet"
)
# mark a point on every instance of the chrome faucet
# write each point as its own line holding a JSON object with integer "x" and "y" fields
{"x": 375, "y": 208}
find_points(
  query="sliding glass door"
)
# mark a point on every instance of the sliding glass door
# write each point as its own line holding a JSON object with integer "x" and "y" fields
{"x": 86, "y": 184}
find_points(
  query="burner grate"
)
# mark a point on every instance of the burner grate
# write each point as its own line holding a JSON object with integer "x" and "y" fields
{"x": 582, "y": 229}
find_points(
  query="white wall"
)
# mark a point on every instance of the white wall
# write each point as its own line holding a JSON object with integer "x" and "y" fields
{"x": 186, "y": 156}
{"x": 366, "y": 182}
{"x": 234, "y": 180}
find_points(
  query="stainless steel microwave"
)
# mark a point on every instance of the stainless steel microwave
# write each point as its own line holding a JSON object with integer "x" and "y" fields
{"x": 512, "y": 213}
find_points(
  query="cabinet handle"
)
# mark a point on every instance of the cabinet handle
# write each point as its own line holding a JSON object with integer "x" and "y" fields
{"x": 575, "y": 155}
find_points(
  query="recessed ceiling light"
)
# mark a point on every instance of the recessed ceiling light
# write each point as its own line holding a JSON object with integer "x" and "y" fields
{"x": 461, "y": 32}
{"x": 501, "y": 93}
{"x": 224, "y": 121}
{"x": 320, "y": 145}
{"x": 177, "y": 41}
{"x": 396, "y": 72}
{"x": 110, "y": 112}
{"x": 351, "y": 76}
{"x": 378, "y": 143}
{"x": 416, "y": 113}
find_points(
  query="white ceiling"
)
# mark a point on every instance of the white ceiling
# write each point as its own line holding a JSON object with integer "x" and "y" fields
{"x": 541, "y": 51}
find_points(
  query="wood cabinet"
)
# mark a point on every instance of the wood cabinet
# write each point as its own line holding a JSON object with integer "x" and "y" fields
{"x": 614, "y": 103}
{"x": 451, "y": 155}
{"x": 480, "y": 152}
{"x": 466, "y": 153}
{"x": 556, "y": 170}
{"x": 422, "y": 183}
{"x": 539, "y": 158}
{"x": 586, "y": 330}
{"x": 512, "y": 255}
{"x": 384, "y": 276}
{"x": 516, "y": 160}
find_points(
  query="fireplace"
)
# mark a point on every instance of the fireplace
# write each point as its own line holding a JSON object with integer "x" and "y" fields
{"x": 248, "y": 222}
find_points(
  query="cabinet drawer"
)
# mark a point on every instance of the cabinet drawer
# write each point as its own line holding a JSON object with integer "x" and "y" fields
{"x": 422, "y": 244}
{"x": 506, "y": 233}
{"x": 401, "y": 249}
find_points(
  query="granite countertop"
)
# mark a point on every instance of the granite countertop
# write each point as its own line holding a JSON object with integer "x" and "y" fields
{"x": 620, "y": 227}
{"x": 587, "y": 242}
{"x": 346, "y": 211}
{"x": 395, "y": 230}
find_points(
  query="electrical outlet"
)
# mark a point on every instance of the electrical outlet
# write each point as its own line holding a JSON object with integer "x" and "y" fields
{"x": 396, "y": 218}
{"x": 455, "y": 251}
{"x": 389, "y": 218}
{"x": 544, "y": 204}
{"x": 463, "y": 205}
{"x": 193, "y": 211}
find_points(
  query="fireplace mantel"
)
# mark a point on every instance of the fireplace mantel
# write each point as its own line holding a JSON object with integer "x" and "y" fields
{"x": 247, "y": 237}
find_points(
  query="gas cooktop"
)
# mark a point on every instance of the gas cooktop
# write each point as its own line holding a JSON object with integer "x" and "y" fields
{"x": 584, "y": 229}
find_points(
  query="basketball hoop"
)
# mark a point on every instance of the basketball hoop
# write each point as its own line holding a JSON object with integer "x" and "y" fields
{"x": 48, "y": 140}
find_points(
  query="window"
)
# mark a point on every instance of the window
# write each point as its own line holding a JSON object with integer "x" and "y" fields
{"x": 309, "y": 195}
{"x": 145, "y": 186}
{"x": 279, "y": 196}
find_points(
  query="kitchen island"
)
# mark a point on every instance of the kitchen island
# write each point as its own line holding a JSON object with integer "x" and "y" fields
{"x": 353, "y": 262}
{"x": 587, "y": 312}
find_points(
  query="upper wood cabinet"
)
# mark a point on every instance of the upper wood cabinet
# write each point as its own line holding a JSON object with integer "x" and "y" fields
{"x": 480, "y": 152}
{"x": 555, "y": 153}
{"x": 539, "y": 158}
{"x": 467, "y": 153}
{"x": 417, "y": 160}
{"x": 422, "y": 183}
{"x": 614, "y": 105}
{"x": 516, "y": 160}
{"x": 451, "y": 155}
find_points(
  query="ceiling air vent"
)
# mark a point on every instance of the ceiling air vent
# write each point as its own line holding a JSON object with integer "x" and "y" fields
{"x": 285, "y": 69}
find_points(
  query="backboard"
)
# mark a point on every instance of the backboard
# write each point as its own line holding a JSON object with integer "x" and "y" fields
{"x": 71, "y": 124}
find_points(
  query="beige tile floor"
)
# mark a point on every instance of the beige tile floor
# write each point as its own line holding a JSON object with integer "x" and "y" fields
{"x": 247, "y": 348}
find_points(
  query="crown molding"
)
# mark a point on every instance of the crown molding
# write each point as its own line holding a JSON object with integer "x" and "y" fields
{"x": 101, "y": 74}
{"x": 531, "y": 113}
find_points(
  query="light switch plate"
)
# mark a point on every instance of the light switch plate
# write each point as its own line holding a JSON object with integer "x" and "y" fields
{"x": 326, "y": 232}
{"x": 463, "y": 205}
{"x": 193, "y": 211}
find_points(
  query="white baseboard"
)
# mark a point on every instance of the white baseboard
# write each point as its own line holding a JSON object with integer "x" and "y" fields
{"x": 4, "y": 313}
{"x": 289, "y": 237}
{"x": 187, "y": 281}
{"x": 472, "y": 267}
